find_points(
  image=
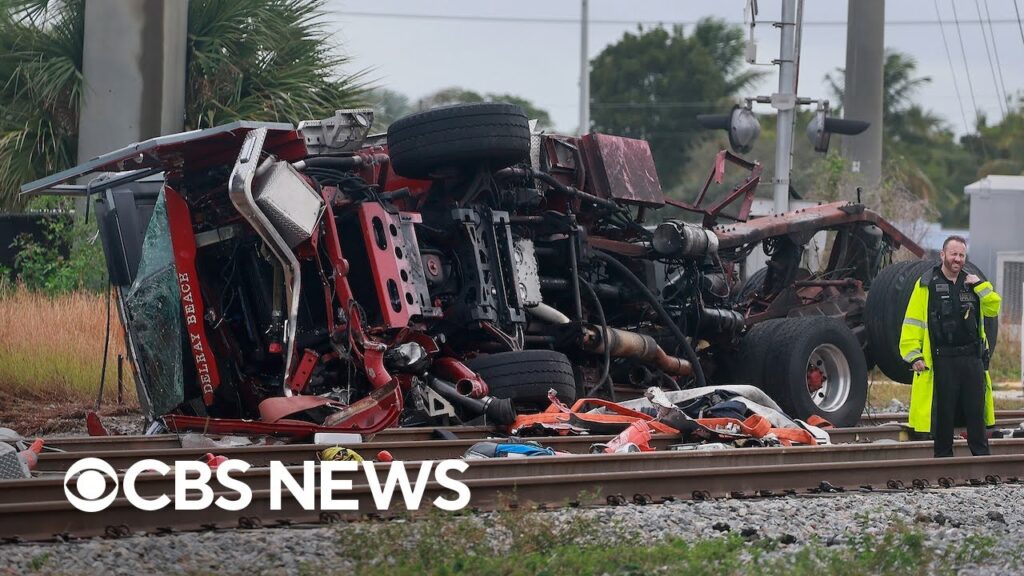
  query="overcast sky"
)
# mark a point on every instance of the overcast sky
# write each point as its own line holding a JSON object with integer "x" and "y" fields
{"x": 531, "y": 47}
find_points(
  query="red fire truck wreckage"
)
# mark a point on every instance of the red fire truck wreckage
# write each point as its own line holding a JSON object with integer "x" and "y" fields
{"x": 286, "y": 281}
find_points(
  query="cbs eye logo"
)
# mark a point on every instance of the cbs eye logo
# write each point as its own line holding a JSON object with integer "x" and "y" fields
{"x": 91, "y": 484}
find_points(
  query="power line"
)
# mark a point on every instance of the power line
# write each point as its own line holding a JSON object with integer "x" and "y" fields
{"x": 999, "y": 65}
{"x": 654, "y": 104}
{"x": 967, "y": 68}
{"x": 988, "y": 53}
{"x": 616, "y": 22}
{"x": 1019, "y": 25}
{"x": 952, "y": 70}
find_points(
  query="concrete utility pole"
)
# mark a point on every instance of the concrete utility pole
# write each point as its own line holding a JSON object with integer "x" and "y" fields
{"x": 785, "y": 102}
{"x": 862, "y": 98}
{"x": 584, "y": 73}
{"x": 134, "y": 68}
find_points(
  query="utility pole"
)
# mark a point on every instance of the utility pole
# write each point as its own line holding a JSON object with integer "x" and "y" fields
{"x": 785, "y": 102}
{"x": 863, "y": 90}
{"x": 134, "y": 67}
{"x": 584, "y": 73}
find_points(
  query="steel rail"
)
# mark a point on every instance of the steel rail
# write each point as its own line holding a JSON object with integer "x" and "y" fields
{"x": 884, "y": 417}
{"x": 884, "y": 427}
{"x": 403, "y": 446}
{"x": 58, "y": 519}
{"x": 153, "y": 485}
{"x": 159, "y": 441}
{"x": 400, "y": 450}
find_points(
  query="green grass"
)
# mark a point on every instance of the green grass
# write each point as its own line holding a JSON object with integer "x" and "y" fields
{"x": 529, "y": 544}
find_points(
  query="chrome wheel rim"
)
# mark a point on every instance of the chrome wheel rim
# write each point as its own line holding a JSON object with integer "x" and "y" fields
{"x": 836, "y": 377}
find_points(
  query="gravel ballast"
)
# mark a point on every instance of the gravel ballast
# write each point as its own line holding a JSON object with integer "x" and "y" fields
{"x": 945, "y": 516}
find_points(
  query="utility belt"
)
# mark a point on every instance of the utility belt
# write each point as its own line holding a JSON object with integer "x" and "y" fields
{"x": 975, "y": 349}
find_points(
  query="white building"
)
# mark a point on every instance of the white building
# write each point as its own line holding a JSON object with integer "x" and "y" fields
{"x": 997, "y": 238}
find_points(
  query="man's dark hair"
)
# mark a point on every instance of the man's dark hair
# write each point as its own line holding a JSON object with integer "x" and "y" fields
{"x": 954, "y": 238}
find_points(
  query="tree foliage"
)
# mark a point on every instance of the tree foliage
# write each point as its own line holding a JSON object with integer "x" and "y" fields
{"x": 252, "y": 59}
{"x": 41, "y": 60}
{"x": 263, "y": 60}
{"x": 388, "y": 106}
{"x": 456, "y": 95}
{"x": 922, "y": 148}
{"x": 652, "y": 84}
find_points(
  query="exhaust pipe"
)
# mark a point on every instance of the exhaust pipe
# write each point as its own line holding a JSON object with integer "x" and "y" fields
{"x": 498, "y": 409}
{"x": 467, "y": 382}
{"x": 626, "y": 344}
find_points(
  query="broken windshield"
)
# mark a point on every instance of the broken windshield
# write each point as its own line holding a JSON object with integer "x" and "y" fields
{"x": 154, "y": 316}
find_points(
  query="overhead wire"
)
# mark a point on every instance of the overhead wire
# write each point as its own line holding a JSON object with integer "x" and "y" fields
{"x": 569, "y": 21}
{"x": 988, "y": 53}
{"x": 967, "y": 68}
{"x": 952, "y": 69}
{"x": 970, "y": 83}
{"x": 1020, "y": 25}
{"x": 995, "y": 50}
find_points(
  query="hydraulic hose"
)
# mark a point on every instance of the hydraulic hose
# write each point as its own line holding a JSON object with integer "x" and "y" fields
{"x": 652, "y": 299}
{"x": 605, "y": 348}
{"x": 334, "y": 162}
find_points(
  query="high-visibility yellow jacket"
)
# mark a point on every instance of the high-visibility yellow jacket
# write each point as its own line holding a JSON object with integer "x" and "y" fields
{"x": 915, "y": 344}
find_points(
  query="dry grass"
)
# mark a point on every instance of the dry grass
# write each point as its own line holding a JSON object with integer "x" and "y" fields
{"x": 52, "y": 348}
{"x": 1005, "y": 370}
{"x": 881, "y": 392}
{"x": 1005, "y": 365}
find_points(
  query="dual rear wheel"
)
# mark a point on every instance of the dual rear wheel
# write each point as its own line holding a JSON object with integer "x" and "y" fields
{"x": 809, "y": 366}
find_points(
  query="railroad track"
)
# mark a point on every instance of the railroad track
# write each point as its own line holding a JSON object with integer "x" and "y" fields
{"x": 470, "y": 434}
{"x": 51, "y": 487}
{"x": 124, "y": 453}
{"x": 884, "y": 417}
{"x": 36, "y": 510}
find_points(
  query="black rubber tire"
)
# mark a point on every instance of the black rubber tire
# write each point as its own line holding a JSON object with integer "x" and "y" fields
{"x": 887, "y": 305}
{"x": 753, "y": 349}
{"x": 525, "y": 377}
{"x": 991, "y": 324}
{"x": 883, "y": 315}
{"x": 459, "y": 136}
{"x": 756, "y": 281}
{"x": 751, "y": 284}
{"x": 785, "y": 374}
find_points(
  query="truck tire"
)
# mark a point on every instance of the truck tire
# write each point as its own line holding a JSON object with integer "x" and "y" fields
{"x": 883, "y": 315}
{"x": 751, "y": 284}
{"x": 526, "y": 376}
{"x": 887, "y": 305}
{"x": 817, "y": 367}
{"x": 458, "y": 136}
{"x": 756, "y": 282}
{"x": 753, "y": 349}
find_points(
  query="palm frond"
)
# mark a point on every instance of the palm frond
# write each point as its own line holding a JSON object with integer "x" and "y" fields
{"x": 252, "y": 59}
{"x": 264, "y": 60}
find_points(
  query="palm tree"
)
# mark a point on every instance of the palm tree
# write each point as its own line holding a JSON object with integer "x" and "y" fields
{"x": 899, "y": 84}
{"x": 41, "y": 58}
{"x": 253, "y": 59}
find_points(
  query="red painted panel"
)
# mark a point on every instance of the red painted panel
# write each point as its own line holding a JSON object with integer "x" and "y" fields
{"x": 183, "y": 241}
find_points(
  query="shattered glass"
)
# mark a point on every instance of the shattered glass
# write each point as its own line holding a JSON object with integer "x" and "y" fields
{"x": 154, "y": 316}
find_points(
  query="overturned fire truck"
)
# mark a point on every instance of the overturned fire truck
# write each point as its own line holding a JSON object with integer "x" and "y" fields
{"x": 285, "y": 280}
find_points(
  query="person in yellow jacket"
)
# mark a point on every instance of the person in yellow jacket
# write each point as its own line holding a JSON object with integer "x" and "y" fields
{"x": 943, "y": 339}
